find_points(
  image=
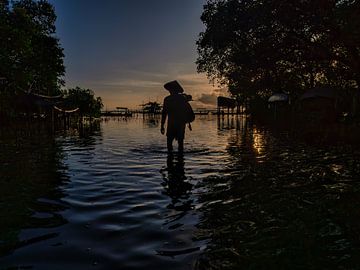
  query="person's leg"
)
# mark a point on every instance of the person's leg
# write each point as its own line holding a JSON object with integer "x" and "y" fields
{"x": 181, "y": 135}
{"x": 181, "y": 145}
{"x": 170, "y": 143}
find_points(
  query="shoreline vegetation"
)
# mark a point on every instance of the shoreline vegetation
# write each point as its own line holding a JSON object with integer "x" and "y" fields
{"x": 257, "y": 50}
{"x": 32, "y": 67}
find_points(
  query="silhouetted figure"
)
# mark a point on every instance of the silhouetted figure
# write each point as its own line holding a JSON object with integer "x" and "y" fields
{"x": 177, "y": 109}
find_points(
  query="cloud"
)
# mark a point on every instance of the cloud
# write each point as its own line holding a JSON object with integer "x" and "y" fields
{"x": 207, "y": 99}
{"x": 135, "y": 73}
{"x": 134, "y": 83}
{"x": 222, "y": 91}
{"x": 193, "y": 79}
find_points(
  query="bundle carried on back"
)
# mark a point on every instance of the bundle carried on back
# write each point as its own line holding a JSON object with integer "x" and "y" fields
{"x": 189, "y": 113}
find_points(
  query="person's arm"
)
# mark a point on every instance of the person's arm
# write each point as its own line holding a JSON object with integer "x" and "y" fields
{"x": 163, "y": 117}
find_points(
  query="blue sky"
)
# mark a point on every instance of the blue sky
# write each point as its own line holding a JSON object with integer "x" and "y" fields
{"x": 125, "y": 50}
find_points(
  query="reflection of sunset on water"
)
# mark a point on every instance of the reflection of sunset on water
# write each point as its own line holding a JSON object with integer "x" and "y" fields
{"x": 258, "y": 142}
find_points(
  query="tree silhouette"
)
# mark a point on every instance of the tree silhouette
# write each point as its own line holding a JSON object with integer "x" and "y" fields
{"x": 259, "y": 47}
{"x": 30, "y": 54}
{"x": 29, "y": 51}
{"x": 152, "y": 107}
{"x": 84, "y": 99}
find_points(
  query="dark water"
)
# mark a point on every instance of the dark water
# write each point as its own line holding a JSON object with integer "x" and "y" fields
{"x": 241, "y": 197}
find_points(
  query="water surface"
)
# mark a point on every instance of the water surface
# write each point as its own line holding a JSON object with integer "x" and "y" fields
{"x": 241, "y": 197}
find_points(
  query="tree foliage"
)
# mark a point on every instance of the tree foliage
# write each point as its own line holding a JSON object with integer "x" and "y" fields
{"x": 258, "y": 47}
{"x": 85, "y": 100}
{"x": 30, "y": 54}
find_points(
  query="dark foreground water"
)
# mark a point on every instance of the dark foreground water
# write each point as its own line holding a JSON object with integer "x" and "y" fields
{"x": 241, "y": 197}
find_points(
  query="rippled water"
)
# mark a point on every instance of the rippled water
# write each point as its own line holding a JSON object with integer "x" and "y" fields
{"x": 241, "y": 197}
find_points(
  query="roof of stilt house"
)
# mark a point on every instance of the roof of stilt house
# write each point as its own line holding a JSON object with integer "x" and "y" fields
{"x": 29, "y": 99}
{"x": 46, "y": 102}
{"x": 321, "y": 92}
{"x": 278, "y": 97}
{"x": 47, "y": 97}
{"x": 65, "y": 110}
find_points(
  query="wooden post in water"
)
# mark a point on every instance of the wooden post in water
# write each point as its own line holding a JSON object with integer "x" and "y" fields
{"x": 68, "y": 120}
{"x": 64, "y": 120}
{"x": 52, "y": 119}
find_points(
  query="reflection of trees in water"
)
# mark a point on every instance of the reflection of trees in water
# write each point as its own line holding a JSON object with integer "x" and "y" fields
{"x": 31, "y": 173}
{"x": 297, "y": 208}
{"x": 246, "y": 140}
{"x": 151, "y": 120}
{"x": 89, "y": 128}
{"x": 226, "y": 122}
{"x": 87, "y": 133}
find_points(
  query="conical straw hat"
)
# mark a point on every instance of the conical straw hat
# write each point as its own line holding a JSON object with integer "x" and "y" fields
{"x": 173, "y": 86}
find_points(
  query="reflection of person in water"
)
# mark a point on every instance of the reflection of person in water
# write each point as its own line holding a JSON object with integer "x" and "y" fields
{"x": 175, "y": 184}
{"x": 177, "y": 109}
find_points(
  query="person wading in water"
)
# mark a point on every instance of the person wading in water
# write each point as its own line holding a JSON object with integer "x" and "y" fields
{"x": 179, "y": 112}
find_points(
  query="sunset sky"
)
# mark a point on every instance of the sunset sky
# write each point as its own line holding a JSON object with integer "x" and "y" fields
{"x": 125, "y": 50}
